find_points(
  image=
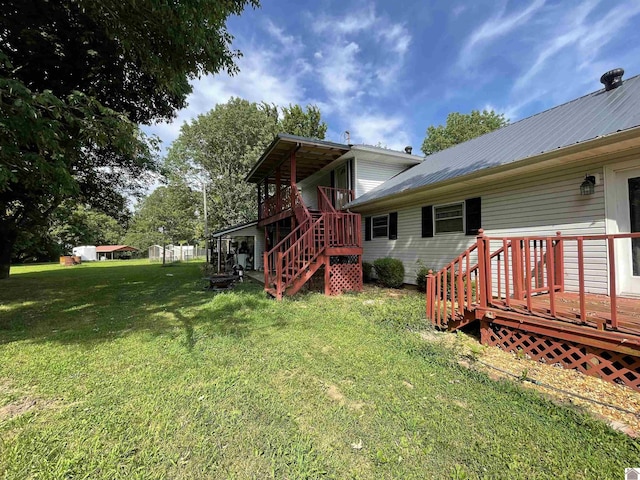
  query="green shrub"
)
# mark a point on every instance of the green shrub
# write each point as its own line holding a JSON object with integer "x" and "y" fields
{"x": 367, "y": 272}
{"x": 421, "y": 278}
{"x": 390, "y": 272}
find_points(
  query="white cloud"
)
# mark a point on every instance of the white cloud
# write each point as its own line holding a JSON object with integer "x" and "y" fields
{"x": 346, "y": 60}
{"x": 575, "y": 45}
{"x": 350, "y": 22}
{"x": 257, "y": 81}
{"x": 374, "y": 129}
{"x": 497, "y": 26}
{"x": 290, "y": 43}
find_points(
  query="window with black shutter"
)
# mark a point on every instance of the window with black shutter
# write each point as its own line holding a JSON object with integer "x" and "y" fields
{"x": 427, "y": 221}
{"x": 393, "y": 225}
{"x": 473, "y": 215}
{"x": 367, "y": 229}
{"x": 380, "y": 226}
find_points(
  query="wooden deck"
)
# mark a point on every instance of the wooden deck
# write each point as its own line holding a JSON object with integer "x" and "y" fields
{"x": 517, "y": 289}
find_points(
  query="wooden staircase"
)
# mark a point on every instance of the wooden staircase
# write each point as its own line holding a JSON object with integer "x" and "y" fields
{"x": 320, "y": 235}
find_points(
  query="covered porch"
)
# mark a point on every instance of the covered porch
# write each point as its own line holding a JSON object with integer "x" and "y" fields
{"x": 288, "y": 160}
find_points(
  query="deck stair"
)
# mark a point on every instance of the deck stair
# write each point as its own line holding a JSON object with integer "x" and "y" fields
{"x": 320, "y": 234}
{"x": 529, "y": 295}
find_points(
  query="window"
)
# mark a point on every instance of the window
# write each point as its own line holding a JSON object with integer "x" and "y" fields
{"x": 380, "y": 226}
{"x": 449, "y": 218}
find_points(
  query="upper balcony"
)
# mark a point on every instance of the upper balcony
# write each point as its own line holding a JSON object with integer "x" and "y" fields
{"x": 288, "y": 160}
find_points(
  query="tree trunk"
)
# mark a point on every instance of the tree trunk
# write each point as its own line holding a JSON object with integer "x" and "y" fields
{"x": 7, "y": 239}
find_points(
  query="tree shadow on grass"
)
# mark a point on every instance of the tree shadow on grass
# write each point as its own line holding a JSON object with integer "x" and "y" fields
{"x": 94, "y": 304}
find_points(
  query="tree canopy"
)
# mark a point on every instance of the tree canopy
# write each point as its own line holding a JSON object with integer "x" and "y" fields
{"x": 169, "y": 213}
{"x": 221, "y": 146}
{"x": 76, "y": 77}
{"x": 461, "y": 127}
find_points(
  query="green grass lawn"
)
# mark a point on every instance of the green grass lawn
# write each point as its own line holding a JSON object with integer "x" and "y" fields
{"x": 131, "y": 370}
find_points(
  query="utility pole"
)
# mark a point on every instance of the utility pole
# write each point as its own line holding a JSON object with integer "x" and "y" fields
{"x": 164, "y": 246}
{"x": 206, "y": 222}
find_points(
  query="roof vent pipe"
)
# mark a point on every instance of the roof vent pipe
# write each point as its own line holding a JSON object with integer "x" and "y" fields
{"x": 408, "y": 149}
{"x": 612, "y": 79}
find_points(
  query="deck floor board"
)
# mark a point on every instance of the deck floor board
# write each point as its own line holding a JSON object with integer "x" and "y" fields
{"x": 597, "y": 307}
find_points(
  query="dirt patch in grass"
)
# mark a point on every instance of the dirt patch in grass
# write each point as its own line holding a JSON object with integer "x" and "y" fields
{"x": 335, "y": 394}
{"x": 17, "y": 408}
{"x": 559, "y": 384}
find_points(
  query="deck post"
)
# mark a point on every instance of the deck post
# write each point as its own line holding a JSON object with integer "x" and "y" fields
{"x": 279, "y": 276}
{"x": 485, "y": 332}
{"x": 327, "y": 275}
{"x": 517, "y": 268}
{"x": 430, "y": 293}
{"x": 559, "y": 262}
{"x": 482, "y": 277}
{"x": 613, "y": 299}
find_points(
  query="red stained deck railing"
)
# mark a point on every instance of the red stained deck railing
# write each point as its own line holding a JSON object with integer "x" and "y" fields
{"x": 514, "y": 273}
{"x": 280, "y": 201}
{"x": 333, "y": 199}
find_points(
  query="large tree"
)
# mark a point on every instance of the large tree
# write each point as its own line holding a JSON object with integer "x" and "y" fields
{"x": 169, "y": 213}
{"x": 303, "y": 122}
{"x": 76, "y": 77}
{"x": 461, "y": 127}
{"x": 219, "y": 148}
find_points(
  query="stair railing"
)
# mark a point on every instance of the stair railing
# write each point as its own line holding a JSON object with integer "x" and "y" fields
{"x": 300, "y": 255}
{"x": 333, "y": 199}
{"x": 454, "y": 288}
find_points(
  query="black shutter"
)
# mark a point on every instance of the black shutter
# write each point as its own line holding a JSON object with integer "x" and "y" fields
{"x": 393, "y": 225}
{"x": 367, "y": 228}
{"x": 473, "y": 215}
{"x": 427, "y": 221}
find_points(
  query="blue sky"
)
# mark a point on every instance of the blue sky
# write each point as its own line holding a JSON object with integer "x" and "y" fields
{"x": 386, "y": 70}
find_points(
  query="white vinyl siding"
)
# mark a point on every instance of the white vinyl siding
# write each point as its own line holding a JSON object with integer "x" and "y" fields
{"x": 309, "y": 187}
{"x": 370, "y": 174}
{"x": 538, "y": 204}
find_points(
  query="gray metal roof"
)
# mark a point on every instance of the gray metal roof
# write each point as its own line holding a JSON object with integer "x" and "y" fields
{"x": 595, "y": 115}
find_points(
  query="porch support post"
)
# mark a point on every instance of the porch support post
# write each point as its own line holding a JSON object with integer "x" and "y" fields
{"x": 293, "y": 177}
{"x": 219, "y": 254}
{"x": 259, "y": 201}
{"x": 327, "y": 275}
{"x": 278, "y": 190}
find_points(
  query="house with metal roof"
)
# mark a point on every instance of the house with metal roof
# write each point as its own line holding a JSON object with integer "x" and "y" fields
{"x": 532, "y": 230}
{"x": 570, "y": 169}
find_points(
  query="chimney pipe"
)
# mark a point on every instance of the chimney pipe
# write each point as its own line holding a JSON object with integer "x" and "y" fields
{"x": 612, "y": 79}
{"x": 408, "y": 149}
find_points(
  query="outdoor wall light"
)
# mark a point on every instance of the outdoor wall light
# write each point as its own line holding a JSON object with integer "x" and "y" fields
{"x": 588, "y": 187}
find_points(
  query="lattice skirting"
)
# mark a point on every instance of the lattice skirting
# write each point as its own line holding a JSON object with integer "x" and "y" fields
{"x": 345, "y": 277}
{"x": 611, "y": 366}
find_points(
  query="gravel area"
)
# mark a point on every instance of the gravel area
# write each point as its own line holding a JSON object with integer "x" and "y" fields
{"x": 618, "y": 405}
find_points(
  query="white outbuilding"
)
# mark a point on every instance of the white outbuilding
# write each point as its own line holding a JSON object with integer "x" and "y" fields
{"x": 87, "y": 253}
